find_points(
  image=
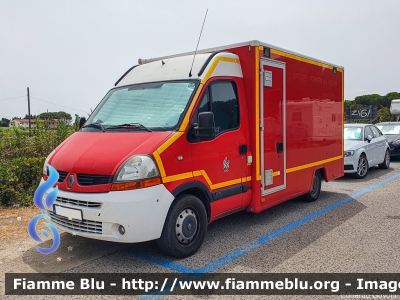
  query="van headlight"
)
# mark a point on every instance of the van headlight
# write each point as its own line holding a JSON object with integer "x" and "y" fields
{"x": 45, "y": 173}
{"x": 136, "y": 172}
{"x": 348, "y": 153}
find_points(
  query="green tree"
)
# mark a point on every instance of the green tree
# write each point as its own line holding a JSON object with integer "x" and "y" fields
{"x": 37, "y": 120}
{"x": 384, "y": 115}
{"x": 61, "y": 115}
{"x": 393, "y": 95}
{"x": 62, "y": 132}
{"x": 4, "y": 122}
{"x": 76, "y": 123}
{"x": 389, "y": 97}
{"x": 348, "y": 103}
{"x": 373, "y": 99}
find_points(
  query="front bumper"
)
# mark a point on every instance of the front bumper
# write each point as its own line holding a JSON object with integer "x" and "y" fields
{"x": 350, "y": 164}
{"x": 141, "y": 212}
{"x": 394, "y": 150}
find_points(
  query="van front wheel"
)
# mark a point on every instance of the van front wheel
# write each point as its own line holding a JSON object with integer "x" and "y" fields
{"x": 184, "y": 228}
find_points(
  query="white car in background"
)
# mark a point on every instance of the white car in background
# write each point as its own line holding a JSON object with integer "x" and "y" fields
{"x": 364, "y": 147}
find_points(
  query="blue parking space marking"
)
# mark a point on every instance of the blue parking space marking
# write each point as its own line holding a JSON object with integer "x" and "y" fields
{"x": 344, "y": 186}
{"x": 158, "y": 261}
{"x": 230, "y": 257}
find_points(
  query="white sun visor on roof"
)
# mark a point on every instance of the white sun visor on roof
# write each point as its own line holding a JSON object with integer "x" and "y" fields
{"x": 167, "y": 69}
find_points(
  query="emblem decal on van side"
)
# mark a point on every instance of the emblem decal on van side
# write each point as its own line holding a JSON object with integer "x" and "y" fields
{"x": 226, "y": 164}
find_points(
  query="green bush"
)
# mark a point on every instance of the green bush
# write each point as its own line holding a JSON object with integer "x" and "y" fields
{"x": 22, "y": 154}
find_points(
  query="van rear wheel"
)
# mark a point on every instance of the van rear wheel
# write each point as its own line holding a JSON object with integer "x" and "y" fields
{"x": 316, "y": 188}
{"x": 184, "y": 228}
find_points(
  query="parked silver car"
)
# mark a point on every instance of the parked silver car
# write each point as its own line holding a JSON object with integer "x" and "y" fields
{"x": 364, "y": 147}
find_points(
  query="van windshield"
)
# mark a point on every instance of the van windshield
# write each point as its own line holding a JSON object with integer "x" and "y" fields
{"x": 158, "y": 106}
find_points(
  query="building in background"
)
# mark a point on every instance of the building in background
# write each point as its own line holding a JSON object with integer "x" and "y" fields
{"x": 52, "y": 123}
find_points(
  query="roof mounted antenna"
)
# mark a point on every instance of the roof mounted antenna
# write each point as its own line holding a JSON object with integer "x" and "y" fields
{"x": 190, "y": 72}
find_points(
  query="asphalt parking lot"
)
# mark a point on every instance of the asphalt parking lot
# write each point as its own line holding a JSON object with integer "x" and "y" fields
{"x": 353, "y": 227}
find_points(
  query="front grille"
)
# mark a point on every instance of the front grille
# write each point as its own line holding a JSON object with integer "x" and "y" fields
{"x": 85, "y": 226}
{"x": 78, "y": 202}
{"x": 348, "y": 167}
{"x": 84, "y": 179}
{"x": 62, "y": 176}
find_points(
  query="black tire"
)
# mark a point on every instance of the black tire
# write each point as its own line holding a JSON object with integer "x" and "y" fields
{"x": 386, "y": 161}
{"x": 313, "y": 194}
{"x": 362, "y": 167}
{"x": 185, "y": 227}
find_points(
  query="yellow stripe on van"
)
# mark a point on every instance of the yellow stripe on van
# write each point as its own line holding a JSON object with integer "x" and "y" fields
{"x": 162, "y": 148}
{"x": 303, "y": 59}
{"x": 215, "y": 63}
{"x": 306, "y": 166}
{"x": 169, "y": 142}
{"x": 226, "y": 183}
{"x": 257, "y": 106}
{"x": 218, "y": 59}
{"x": 343, "y": 112}
{"x": 214, "y": 186}
{"x": 204, "y": 173}
{"x": 159, "y": 163}
{"x": 177, "y": 177}
{"x": 185, "y": 121}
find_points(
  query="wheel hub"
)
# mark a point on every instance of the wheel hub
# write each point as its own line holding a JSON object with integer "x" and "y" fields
{"x": 186, "y": 226}
{"x": 362, "y": 166}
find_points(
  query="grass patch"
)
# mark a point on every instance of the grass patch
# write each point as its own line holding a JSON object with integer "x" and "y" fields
{"x": 22, "y": 155}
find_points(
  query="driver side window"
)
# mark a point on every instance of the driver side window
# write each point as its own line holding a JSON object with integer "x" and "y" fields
{"x": 204, "y": 103}
{"x": 221, "y": 99}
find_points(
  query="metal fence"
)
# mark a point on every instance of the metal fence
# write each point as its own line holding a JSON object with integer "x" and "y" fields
{"x": 356, "y": 113}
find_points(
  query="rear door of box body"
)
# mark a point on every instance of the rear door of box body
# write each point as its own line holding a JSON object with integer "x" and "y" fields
{"x": 273, "y": 126}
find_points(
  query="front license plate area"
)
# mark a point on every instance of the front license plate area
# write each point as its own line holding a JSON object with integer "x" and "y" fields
{"x": 67, "y": 212}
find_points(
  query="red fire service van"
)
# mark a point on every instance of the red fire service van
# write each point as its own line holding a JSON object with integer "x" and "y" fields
{"x": 183, "y": 140}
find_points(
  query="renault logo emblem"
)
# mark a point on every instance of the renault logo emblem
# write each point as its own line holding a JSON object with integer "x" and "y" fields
{"x": 70, "y": 180}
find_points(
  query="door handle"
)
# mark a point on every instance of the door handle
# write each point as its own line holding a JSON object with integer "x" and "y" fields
{"x": 279, "y": 147}
{"x": 243, "y": 149}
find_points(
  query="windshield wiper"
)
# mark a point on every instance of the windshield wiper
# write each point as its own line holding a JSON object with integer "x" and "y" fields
{"x": 130, "y": 125}
{"x": 95, "y": 125}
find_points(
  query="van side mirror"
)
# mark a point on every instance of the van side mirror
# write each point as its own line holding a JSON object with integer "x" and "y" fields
{"x": 205, "y": 129}
{"x": 81, "y": 122}
{"x": 369, "y": 138}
